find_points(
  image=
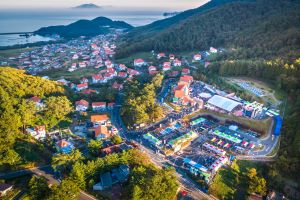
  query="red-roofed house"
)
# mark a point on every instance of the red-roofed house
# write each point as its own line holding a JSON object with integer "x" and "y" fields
{"x": 98, "y": 106}
{"x": 110, "y": 105}
{"x": 186, "y": 79}
{"x": 166, "y": 67}
{"x": 84, "y": 80}
{"x": 38, "y": 102}
{"x": 174, "y": 74}
{"x": 97, "y": 78}
{"x": 122, "y": 67}
{"x": 112, "y": 71}
{"x": 213, "y": 50}
{"x": 101, "y": 132}
{"x": 132, "y": 72}
{"x": 139, "y": 62}
{"x": 197, "y": 57}
{"x": 108, "y": 64}
{"x": 82, "y": 86}
{"x": 161, "y": 55}
{"x": 171, "y": 56}
{"x": 122, "y": 74}
{"x": 81, "y": 105}
{"x": 88, "y": 91}
{"x": 185, "y": 71}
{"x": 181, "y": 91}
{"x": 117, "y": 86}
{"x": 177, "y": 63}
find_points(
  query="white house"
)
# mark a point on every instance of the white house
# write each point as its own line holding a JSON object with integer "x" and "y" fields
{"x": 82, "y": 105}
{"x": 139, "y": 62}
{"x": 98, "y": 106}
{"x": 213, "y": 50}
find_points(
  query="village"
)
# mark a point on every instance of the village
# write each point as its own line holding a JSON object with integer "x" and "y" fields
{"x": 203, "y": 129}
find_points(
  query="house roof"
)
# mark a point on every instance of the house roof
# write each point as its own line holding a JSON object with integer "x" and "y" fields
{"x": 99, "y": 118}
{"x": 82, "y": 102}
{"x": 139, "y": 60}
{"x": 96, "y": 104}
{"x": 106, "y": 180}
{"x": 111, "y": 104}
{"x": 223, "y": 103}
{"x": 101, "y": 130}
{"x": 186, "y": 70}
{"x": 82, "y": 85}
{"x": 40, "y": 128}
{"x": 122, "y": 74}
{"x": 167, "y": 63}
{"x": 151, "y": 68}
{"x": 88, "y": 91}
{"x": 97, "y": 76}
{"x": 62, "y": 143}
{"x": 186, "y": 78}
{"x": 35, "y": 99}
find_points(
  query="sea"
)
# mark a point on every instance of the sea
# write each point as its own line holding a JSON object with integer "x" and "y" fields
{"x": 20, "y": 20}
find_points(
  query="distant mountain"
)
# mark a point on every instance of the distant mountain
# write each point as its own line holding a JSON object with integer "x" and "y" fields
{"x": 170, "y": 14}
{"x": 100, "y": 25}
{"x": 267, "y": 28}
{"x": 87, "y": 6}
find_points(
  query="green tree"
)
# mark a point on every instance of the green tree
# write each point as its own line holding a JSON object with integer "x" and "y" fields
{"x": 38, "y": 188}
{"x": 67, "y": 190}
{"x": 62, "y": 162}
{"x": 116, "y": 139}
{"x": 56, "y": 109}
{"x": 78, "y": 174}
{"x": 94, "y": 147}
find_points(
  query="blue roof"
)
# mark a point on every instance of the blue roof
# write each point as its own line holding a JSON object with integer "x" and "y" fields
{"x": 278, "y": 125}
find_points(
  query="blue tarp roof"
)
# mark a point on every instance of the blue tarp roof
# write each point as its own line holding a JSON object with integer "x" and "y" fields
{"x": 278, "y": 125}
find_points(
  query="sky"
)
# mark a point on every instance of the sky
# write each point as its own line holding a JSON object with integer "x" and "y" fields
{"x": 159, "y": 4}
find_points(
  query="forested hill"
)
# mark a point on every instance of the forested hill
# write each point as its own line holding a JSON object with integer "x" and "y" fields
{"x": 18, "y": 113}
{"x": 153, "y": 28}
{"x": 99, "y": 25}
{"x": 268, "y": 28}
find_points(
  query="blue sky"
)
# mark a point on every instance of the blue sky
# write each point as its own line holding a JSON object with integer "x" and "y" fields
{"x": 163, "y": 4}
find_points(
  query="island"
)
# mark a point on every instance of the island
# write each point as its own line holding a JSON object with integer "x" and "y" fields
{"x": 87, "y": 6}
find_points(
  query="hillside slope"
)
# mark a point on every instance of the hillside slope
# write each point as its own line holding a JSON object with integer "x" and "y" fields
{"x": 262, "y": 26}
{"x": 153, "y": 28}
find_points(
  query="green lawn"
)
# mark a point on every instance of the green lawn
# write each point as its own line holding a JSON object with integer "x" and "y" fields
{"x": 230, "y": 183}
{"x": 14, "y": 52}
{"x": 147, "y": 56}
{"x": 76, "y": 75}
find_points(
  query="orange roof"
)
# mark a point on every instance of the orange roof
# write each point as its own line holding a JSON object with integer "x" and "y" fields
{"x": 186, "y": 78}
{"x": 101, "y": 130}
{"x": 180, "y": 91}
{"x": 99, "y": 118}
{"x": 62, "y": 143}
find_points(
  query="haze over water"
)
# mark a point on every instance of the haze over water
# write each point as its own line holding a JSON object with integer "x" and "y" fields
{"x": 14, "y": 20}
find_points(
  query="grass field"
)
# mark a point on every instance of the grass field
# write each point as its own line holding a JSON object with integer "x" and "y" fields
{"x": 14, "y": 52}
{"x": 147, "y": 56}
{"x": 76, "y": 75}
{"x": 230, "y": 183}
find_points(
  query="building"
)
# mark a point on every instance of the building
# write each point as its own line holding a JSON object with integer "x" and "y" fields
{"x": 5, "y": 188}
{"x": 101, "y": 132}
{"x": 177, "y": 63}
{"x": 110, "y": 105}
{"x": 197, "y": 57}
{"x": 161, "y": 55}
{"x": 185, "y": 71}
{"x": 97, "y": 78}
{"x": 98, "y": 120}
{"x": 81, "y": 105}
{"x": 38, "y": 132}
{"x": 82, "y": 86}
{"x": 223, "y": 103}
{"x": 213, "y": 50}
{"x": 98, "y": 106}
{"x": 38, "y": 102}
{"x": 186, "y": 79}
{"x": 116, "y": 175}
{"x": 64, "y": 146}
{"x": 117, "y": 86}
{"x": 139, "y": 62}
